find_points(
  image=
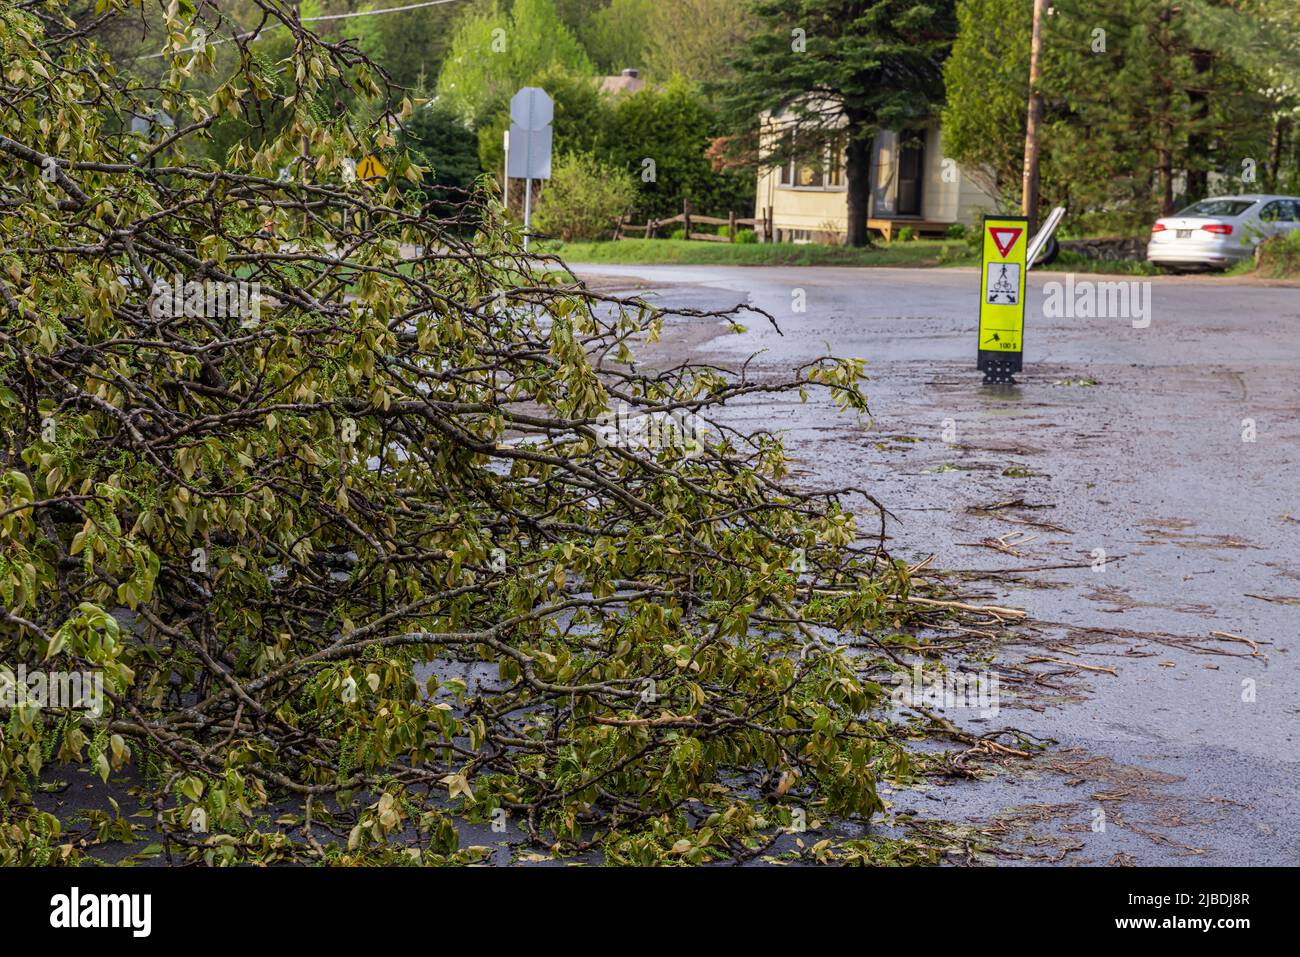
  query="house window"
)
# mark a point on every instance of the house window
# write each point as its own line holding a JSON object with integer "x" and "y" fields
{"x": 809, "y": 175}
{"x": 838, "y": 161}
{"x": 823, "y": 169}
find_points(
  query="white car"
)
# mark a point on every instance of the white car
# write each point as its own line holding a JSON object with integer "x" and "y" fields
{"x": 1220, "y": 231}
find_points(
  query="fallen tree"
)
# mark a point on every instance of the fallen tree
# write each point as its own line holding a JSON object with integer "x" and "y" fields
{"x": 342, "y": 504}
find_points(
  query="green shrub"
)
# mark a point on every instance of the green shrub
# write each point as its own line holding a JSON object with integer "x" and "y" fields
{"x": 673, "y": 126}
{"x": 955, "y": 231}
{"x": 583, "y": 199}
{"x": 906, "y": 234}
{"x": 741, "y": 233}
{"x": 678, "y": 233}
{"x": 1280, "y": 256}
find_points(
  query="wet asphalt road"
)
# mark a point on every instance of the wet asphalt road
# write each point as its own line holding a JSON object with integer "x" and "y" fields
{"x": 1184, "y": 743}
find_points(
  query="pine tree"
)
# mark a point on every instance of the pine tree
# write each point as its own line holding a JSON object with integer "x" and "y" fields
{"x": 836, "y": 69}
{"x": 1145, "y": 101}
{"x": 1147, "y": 105}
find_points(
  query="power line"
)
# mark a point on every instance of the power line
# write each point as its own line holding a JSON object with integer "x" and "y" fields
{"x": 371, "y": 13}
{"x": 332, "y": 16}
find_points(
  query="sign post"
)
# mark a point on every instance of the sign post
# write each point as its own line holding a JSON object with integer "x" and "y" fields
{"x": 528, "y": 210}
{"x": 531, "y": 112}
{"x": 505, "y": 173}
{"x": 1002, "y": 297}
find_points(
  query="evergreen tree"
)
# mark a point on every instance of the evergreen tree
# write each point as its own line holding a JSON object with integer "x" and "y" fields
{"x": 1146, "y": 107}
{"x": 437, "y": 139}
{"x": 1145, "y": 101}
{"x": 836, "y": 69}
{"x": 1262, "y": 37}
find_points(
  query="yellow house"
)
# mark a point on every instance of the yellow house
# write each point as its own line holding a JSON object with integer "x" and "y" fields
{"x": 912, "y": 184}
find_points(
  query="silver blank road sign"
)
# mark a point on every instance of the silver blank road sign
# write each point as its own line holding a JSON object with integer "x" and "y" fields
{"x": 531, "y": 112}
{"x": 532, "y": 108}
{"x": 530, "y": 153}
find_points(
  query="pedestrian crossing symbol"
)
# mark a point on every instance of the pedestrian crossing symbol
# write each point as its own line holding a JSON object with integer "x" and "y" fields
{"x": 1003, "y": 283}
{"x": 1002, "y": 305}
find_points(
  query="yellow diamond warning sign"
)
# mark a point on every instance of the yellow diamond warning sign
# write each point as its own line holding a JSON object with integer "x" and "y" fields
{"x": 370, "y": 169}
{"x": 1002, "y": 297}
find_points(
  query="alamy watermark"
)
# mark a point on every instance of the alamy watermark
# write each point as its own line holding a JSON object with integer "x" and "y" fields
{"x": 948, "y": 690}
{"x": 207, "y": 300}
{"x": 627, "y": 429}
{"x": 73, "y": 690}
{"x": 1089, "y": 299}
{"x": 133, "y": 912}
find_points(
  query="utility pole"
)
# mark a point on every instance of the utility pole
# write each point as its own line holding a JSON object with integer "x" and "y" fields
{"x": 1029, "y": 190}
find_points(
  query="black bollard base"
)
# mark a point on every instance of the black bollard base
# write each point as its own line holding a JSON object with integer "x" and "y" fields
{"x": 999, "y": 373}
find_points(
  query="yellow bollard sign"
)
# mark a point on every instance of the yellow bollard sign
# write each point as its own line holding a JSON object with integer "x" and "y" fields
{"x": 1002, "y": 297}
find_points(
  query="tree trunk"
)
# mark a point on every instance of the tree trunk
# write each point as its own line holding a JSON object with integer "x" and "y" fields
{"x": 1276, "y": 145}
{"x": 1165, "y": 174}
{"x": 857, "y": 178}
{"x": 1164, "y": 123}
{"x": 1164, "y": 155}
{"x": 1198, "y": 144}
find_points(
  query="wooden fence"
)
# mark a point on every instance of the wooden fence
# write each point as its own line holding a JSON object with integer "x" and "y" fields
{"x": 625, "y": 229}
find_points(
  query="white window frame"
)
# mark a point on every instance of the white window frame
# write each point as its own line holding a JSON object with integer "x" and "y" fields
{"x": 790, "y": 168}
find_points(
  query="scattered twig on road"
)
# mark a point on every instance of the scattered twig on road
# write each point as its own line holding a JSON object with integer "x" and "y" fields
{"x": 1002, "y": 572}
{"x": 1276, "y": 599}
{"x": 1027, "y": 521}
{"x": 995, "y": 610}
{"x": 1228, "y": 636}
{"x": 921, "y": 564}
{"x": 1003, "y": 543}
{"x": 1073, "y": 664}
{"x": 1009, "y": 503}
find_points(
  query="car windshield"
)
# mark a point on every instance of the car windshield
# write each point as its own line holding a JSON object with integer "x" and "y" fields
{"x": 1218, "y": 207}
